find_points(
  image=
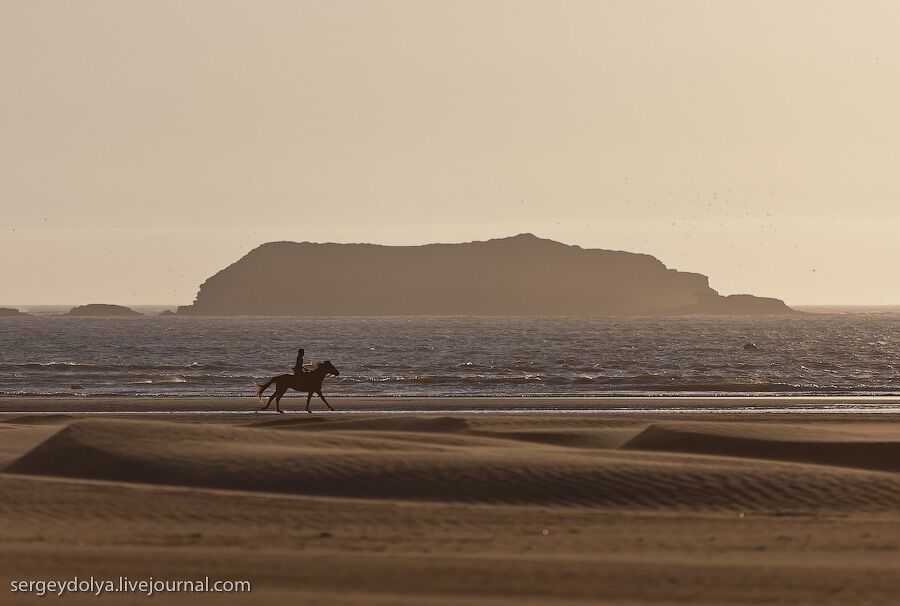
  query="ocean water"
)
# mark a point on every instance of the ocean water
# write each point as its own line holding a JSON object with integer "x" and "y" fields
{"x": 815, "y": 354}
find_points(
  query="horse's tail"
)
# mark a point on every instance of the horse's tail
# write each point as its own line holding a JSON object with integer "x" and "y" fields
{"x": 261, "y": 388}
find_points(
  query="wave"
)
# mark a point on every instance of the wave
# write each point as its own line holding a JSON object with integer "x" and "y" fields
{"x": 442, "y": 384}
{"x": 832, "y": 354}
{"x": 159, "y": 381}
{"x": 101, "y": 367}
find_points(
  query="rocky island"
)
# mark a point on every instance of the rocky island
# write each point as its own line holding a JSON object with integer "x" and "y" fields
{"x": 9, "y": 312}
{"x": 102, "y": 310}
{"x": 520, "y": 275}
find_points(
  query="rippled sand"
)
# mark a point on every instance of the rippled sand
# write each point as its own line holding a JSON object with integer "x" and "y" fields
{"x": 451, "y": 507}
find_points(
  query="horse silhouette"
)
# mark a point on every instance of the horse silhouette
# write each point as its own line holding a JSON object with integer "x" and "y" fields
{"x": 310, "y": 382}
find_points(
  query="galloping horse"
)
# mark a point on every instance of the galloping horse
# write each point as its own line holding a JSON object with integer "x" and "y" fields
{"x": 310, "y": 382}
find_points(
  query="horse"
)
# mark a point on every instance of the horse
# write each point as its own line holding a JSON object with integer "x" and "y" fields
{"x": 310, "y": 382}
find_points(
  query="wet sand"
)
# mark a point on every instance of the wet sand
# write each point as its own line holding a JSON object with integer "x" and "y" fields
{"x": 444, "y": 506}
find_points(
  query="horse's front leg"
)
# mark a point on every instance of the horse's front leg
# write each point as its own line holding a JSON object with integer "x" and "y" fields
{"x": 324, "y": 400}
{"x": 308, "y": 398}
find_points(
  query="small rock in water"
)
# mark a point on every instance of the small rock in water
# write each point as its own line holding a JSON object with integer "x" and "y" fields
{"x": 76, "y": 386}
{"x": 750, "y": 346}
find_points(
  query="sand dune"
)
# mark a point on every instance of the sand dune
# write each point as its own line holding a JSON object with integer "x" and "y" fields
{"x": 398, "y": 423}
{"x": 820, "y": 446}
{"x": 20, "y": 434}
{"x": 450, "y": 430}
{"x": 308, "y": 550}
{"x": 457, "y": 509}
{"x": 39, "y": 420}
{"x": 414, "y": 465}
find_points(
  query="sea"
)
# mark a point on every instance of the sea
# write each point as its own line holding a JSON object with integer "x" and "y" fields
{"x": 828, "y": 351}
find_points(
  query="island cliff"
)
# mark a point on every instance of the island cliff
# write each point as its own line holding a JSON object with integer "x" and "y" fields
{"x": 521, "y": 275}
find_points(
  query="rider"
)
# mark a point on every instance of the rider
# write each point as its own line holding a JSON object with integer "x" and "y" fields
{"x": 298, "y": 366}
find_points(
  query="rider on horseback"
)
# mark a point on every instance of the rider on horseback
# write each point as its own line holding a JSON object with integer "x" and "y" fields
{"x": 306, "y": 381}
{"x": 298, "y": 366}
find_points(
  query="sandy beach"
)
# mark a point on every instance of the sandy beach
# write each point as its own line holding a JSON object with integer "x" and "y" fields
{"x": 600, "y": 293}
{"x": 448, "y": 506}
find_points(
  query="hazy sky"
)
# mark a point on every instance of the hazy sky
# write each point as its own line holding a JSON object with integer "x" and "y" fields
{"x": 146, "y": 145}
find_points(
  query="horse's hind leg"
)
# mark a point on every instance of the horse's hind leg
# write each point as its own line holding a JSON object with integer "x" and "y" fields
{"x": 324, "y": 400}
{"x": 272, "y": 397}
{"x": 280, "y": 392}
{"x": 308, "y": 398}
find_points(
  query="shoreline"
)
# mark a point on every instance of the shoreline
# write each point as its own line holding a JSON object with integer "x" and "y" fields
{"x": 657, "y": 406}
{"x": 523, "y": 397}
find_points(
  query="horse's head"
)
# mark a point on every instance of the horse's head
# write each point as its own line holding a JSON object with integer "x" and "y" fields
{"x": 329, "y": 368}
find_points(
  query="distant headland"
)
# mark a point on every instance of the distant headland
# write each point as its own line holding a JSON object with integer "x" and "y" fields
{"x": 519, "y": 275}
{"x": 102, "y": 310}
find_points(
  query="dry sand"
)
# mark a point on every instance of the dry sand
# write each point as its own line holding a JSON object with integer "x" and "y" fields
{"x": 451, "y": 508}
